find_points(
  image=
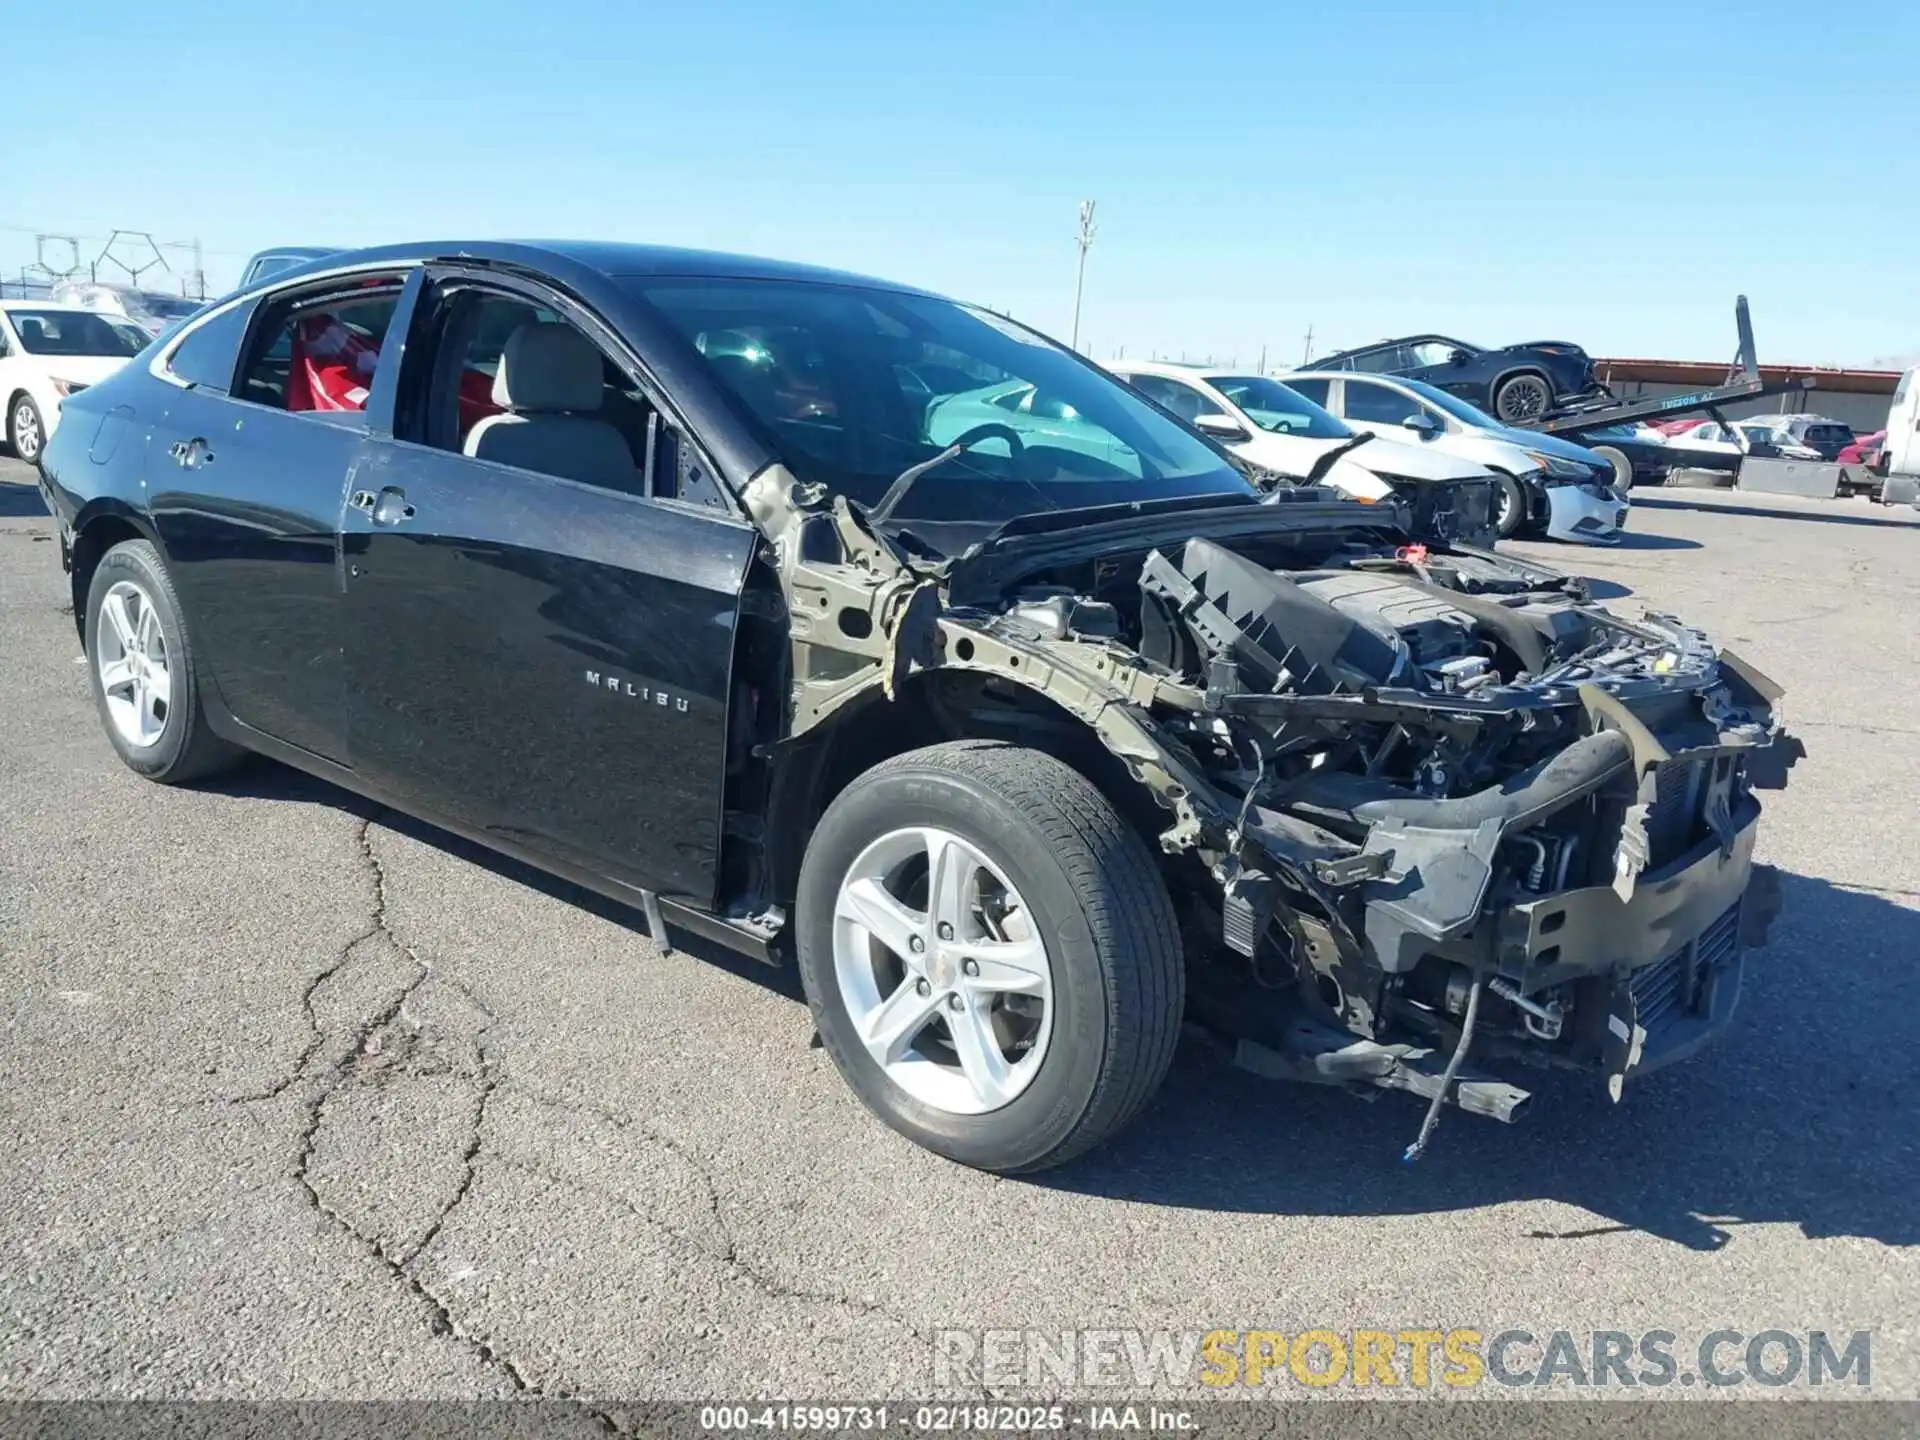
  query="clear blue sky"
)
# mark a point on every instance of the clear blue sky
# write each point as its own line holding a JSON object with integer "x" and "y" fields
{"x": 1611, "y": 174}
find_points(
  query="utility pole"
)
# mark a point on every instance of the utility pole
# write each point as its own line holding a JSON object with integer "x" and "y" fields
{"x": 1085, "y": 241}
{"x": 1307, "y": 353}
{"x": 1263, "y": 359}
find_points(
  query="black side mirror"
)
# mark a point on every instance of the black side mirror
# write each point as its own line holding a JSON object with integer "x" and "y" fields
{"x": 1458, "y": 357}
{"x": 1222, "y": 428}
{"x": 1424, "y": 425}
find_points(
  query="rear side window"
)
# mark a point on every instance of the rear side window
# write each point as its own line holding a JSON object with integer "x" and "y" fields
{"x": 205, "y": 359}
{"x": 1378, "y": 404}
{"x": 1385, "y": 360}
{"x": 1314, "y": 390}
{"x": 1182, "y": 400}
{"x": 318, "y": 352}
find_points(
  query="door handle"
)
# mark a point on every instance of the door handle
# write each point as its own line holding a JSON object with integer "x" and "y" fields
{"x": 191, "y": 454}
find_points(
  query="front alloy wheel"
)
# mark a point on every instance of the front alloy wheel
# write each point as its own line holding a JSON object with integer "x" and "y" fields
{"x": 25, "y": 432}
{"x": 990, "y": 954}
{"x": 941, "y": 971}
{"x": 1509, "y": 507}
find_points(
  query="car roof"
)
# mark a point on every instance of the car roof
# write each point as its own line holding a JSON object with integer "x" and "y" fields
{"x": 1177, "y": 369}
{"x": 1342, "y": 375}
{"x": 613, "y": 259}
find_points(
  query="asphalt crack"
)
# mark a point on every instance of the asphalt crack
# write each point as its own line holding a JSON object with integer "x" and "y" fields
{"x": 316, "y": 1033}
{"x": 332, "y": 1079}
{"x": 364, "y": 1045}
{"x": 729, "y": 1254}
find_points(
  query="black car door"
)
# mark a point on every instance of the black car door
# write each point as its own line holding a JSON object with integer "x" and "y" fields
{"x": 540, "y": 634}
{"x": 1432, "y": 358}
{"x": 245, "y": 475}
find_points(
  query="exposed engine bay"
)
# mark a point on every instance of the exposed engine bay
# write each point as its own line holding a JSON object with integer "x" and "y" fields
{"x": 1427, "y": 802}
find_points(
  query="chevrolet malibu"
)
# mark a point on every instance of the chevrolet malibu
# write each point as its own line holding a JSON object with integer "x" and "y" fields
{"x": 1028, "y": 740}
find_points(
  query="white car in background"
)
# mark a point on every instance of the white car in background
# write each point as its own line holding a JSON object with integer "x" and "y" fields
{"x": 1547, "y": 484}
{"x": 1270, "y": 426}
{"x": 1710, "y": 437}
{"x": 152, "y": 310}
{"x": 47, "y": 352}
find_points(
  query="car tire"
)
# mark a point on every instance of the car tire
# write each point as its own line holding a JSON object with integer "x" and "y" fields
{"x": 1089, "y": 893}
{"x": 143, "y": 671}
{"x": 1622, "y": 467}
{"x": 1526, "y": 396}
{"x": 1509, "y": 507}
{"x": 26, "y": 430}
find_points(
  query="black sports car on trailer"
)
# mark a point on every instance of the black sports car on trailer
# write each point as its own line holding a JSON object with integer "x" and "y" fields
{"x": 1514, "y": 384}
{"x": 702, "y": 582}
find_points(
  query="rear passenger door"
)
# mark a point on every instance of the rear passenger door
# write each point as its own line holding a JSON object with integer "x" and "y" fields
{"x": 246, "y": 471}
{"x": 542, "y": 583}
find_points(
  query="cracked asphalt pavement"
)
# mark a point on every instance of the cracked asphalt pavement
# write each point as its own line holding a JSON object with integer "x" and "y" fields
{"x": 302, "y": 1099}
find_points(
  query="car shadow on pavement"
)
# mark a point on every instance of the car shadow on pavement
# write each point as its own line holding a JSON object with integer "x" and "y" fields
{"x": 1886, "y": 522}
{"x": 17, "y": 500}
{"x": 1800, "y": 1114}
{"x": 1645, "y": 540}
{"x": 267, "y": 780}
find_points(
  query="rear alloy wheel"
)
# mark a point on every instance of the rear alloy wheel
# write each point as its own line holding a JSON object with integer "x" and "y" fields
{"x": 990, "y": 954}
{"x": 142, "y": 668}
{"x": 26, "y": 432}
{"x": 1509, "y": 508}
{"x": 1522, "y": 397}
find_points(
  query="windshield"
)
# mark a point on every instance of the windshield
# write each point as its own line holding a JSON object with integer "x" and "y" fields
{"x": 76, "y": 332}
{"x": 1272, "y": 406}
{"x": 852, "y": 386}
{"x": 1453, "y": 405}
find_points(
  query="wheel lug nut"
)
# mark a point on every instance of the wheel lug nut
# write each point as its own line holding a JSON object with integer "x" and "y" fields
{"x": 970, "y": 967}
{"x": 946, "y": 931}
{"x": 921, "y": 987}
{"x": 917, "y": 945}
{"x": 954, "y": 1002}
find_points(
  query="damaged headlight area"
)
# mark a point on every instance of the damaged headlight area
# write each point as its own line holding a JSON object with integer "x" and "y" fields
{"x": 1436, "y": 817}
{"x": 1473, "y": 821}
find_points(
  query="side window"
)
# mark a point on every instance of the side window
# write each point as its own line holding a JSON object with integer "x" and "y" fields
{"x": 1378, "y": 404}
{"x": 1183, "y": 400}
{"x": 1314, "y": 390}
{"x": 516, "y": 383}
{"x": 1387, "y": 360}
{"x": 318, "y": 351}
{"x": 207, "y": 357}
{"x": 1426, "y": 353}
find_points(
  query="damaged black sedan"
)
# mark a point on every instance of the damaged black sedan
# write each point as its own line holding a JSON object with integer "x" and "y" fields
{"x": 848, "y": 626}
